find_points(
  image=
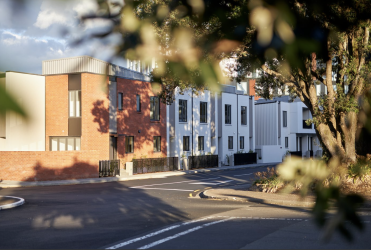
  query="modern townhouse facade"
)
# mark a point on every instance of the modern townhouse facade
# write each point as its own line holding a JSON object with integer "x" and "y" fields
{"x": 93, "y": 111}
{"x": 236, "y": 127}
{"x": 281, "y": 127}
{"x": 192, "y": 124}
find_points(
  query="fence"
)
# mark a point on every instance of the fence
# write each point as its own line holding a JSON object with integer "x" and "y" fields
{"x": 153, "y": 165}
{"x": 296, "y": 153}
{"x": 109, "y": 168}
{"x": 243, "y": 159}
{"x": 203, "y": 161}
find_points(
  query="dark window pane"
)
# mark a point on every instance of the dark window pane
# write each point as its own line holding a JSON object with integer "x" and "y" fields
{"x": 244, "y": 115}
{"x": 230, "y": 142}
{"x": 129, "y": 144}
{"x": 138, "y": 103}
{"x": 200, "y": 143}
{"x": 157, "y": 143}
{"x": 182, "y": 110}
{"x": 242, "y": 142}
{"x": 185, "y": 143}
{"x": 203, "y": 112}
{"x": 284, "y": 118}
{"x": 120, "y": 101}
{"x": 155, "y": 108}
{"x": 228, "y": 118}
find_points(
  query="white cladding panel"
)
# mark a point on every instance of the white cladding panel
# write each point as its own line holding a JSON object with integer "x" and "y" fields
{"x": 26, "y": 134}
{"x": 266, "y": 119}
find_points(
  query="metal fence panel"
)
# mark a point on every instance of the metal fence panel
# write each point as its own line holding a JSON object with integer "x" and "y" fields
{"x": 296, "y": 153}
{"x": 109, "y": 168}
{"x": 153, "y": 165}
{"x": 203, "y": 161}
{"x": 244, "y": 159}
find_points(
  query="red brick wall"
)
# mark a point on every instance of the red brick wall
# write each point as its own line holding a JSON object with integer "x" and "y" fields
{"x": 129, "y": 121}
{"x": 252, "y": 88}
{"x": 48, "y": 165}
{"x": 56, "y": 107}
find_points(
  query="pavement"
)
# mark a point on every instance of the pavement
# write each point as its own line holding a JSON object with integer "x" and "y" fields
{"x": 125, "y": 177}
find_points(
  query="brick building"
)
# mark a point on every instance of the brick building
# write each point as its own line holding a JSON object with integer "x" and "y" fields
{"x": 94, "y": 111}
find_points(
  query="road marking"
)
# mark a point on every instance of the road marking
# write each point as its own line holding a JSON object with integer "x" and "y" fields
{"x": 170, "y": 189}
{"x": 169, "y": 183}
{"x": 183, "y": 233}
{"x": 210, "y": 183}
{"x": 156, "y": 233}
{"x": 242, "y": 174}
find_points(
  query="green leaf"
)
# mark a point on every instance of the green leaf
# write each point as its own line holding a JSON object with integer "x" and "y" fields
{"x": 7, "y": 103}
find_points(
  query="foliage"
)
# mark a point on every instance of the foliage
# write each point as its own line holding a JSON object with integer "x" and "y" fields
{"x": 250, "y": 151}
{"x": 268, "y": 181}
{"x": 322, "y": 177}
{"x": 359, "y": 170}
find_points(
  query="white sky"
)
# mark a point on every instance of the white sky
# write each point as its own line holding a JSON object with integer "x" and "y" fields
{"x": 37, "y": 32}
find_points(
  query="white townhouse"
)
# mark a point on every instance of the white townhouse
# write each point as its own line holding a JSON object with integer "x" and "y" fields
{"x": 281, "y": 127}
{"x": 191, "y": 124}
{"x": 236, "y": 128}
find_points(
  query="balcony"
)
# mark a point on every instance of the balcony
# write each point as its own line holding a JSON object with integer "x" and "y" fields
{"x": 305, "y": 126}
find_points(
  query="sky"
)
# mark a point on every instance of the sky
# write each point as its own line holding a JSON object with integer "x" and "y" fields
{"x": 43, "y": 30}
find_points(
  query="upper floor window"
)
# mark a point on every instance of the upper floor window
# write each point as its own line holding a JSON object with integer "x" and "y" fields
{"x": 243, "y": 115}
{"x": 155, "y": 108}
{"x": 74, "y": 100}
{"x": 284, "y": 118}
{"x": 182, "y": 110}
{"x": 228, "y": 114}
{"x": 139, "y": 107}
{"x": 203, "y": 112}
{"x": 120, "y": 101}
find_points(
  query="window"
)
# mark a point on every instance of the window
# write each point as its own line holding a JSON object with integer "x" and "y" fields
{"x": 129, "y": 144}
{"x": 155, "y": 108}
{"x": 65, "y": 143}
{"x": 157, "y": 143}
{"x": 242, "y": 142}
{"x": 200, "y": 143}
{"x": 284, "y": 118}
{"x": 74, "y": 100}
{"x": 228, "y": 118}
{"x": 138, "y": 104}
{"x": 203, "y": 112}
{"x": 230, "y": 142}
{"x": 121, "y": 101}
{"x": 243, "y": 115}
{"x": 286, "y": 142}
{"x": 182, "y": 110}
{"x": 185, "y": 143}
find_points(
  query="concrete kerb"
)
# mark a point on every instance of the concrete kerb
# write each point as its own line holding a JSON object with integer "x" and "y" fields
{"x": 15, "y": 184}
{"x": 20, "y": 202}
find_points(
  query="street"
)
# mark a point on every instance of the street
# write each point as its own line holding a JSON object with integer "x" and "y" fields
{"x": 157, "y": 213}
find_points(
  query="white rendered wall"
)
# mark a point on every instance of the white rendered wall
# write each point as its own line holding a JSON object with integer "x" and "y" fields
{"x": 185, "y": 128}
{"x": 243, "y": 130}
{"x": 227, "y": 129}
{"x": 21, "y": 134}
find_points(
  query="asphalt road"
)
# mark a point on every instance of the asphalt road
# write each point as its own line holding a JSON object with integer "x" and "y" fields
{"x": 155, "y": 213}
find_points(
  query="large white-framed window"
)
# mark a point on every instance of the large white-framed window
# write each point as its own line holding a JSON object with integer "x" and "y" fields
{"x": 65, "y": 143}
{"x": 74, "y": 103}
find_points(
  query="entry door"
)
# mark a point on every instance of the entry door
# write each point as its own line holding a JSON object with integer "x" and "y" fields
{"x": 113, "y": 148}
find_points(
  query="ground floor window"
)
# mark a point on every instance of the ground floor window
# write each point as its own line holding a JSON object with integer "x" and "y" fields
{"x": 200, "y": 143}
{"x": 286, "y": 142}
{"x": 129, "y": 144}
{"x": 185, "y": 143}
{"x": 230, "y": 142}
{"x": 157, "y": 143}
{"x": 65, "y": 143}
{"x": 242, "y": 142}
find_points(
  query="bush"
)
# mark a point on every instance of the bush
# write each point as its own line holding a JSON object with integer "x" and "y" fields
{"x": 359, "y": 170}
{"x": 268, "y": 181}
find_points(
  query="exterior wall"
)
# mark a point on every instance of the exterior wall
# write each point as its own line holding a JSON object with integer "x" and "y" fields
{"x": 23, "y": 134}
{"x": 266, "y": 121}
{"x": 227, "y": 129}
{"x": 47, "y": 165}
{"x": 56, "y": 107}
{"x": 243, "y": 130}
{"x": 185, "y": 128}
{"x": 138, "y": 124}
